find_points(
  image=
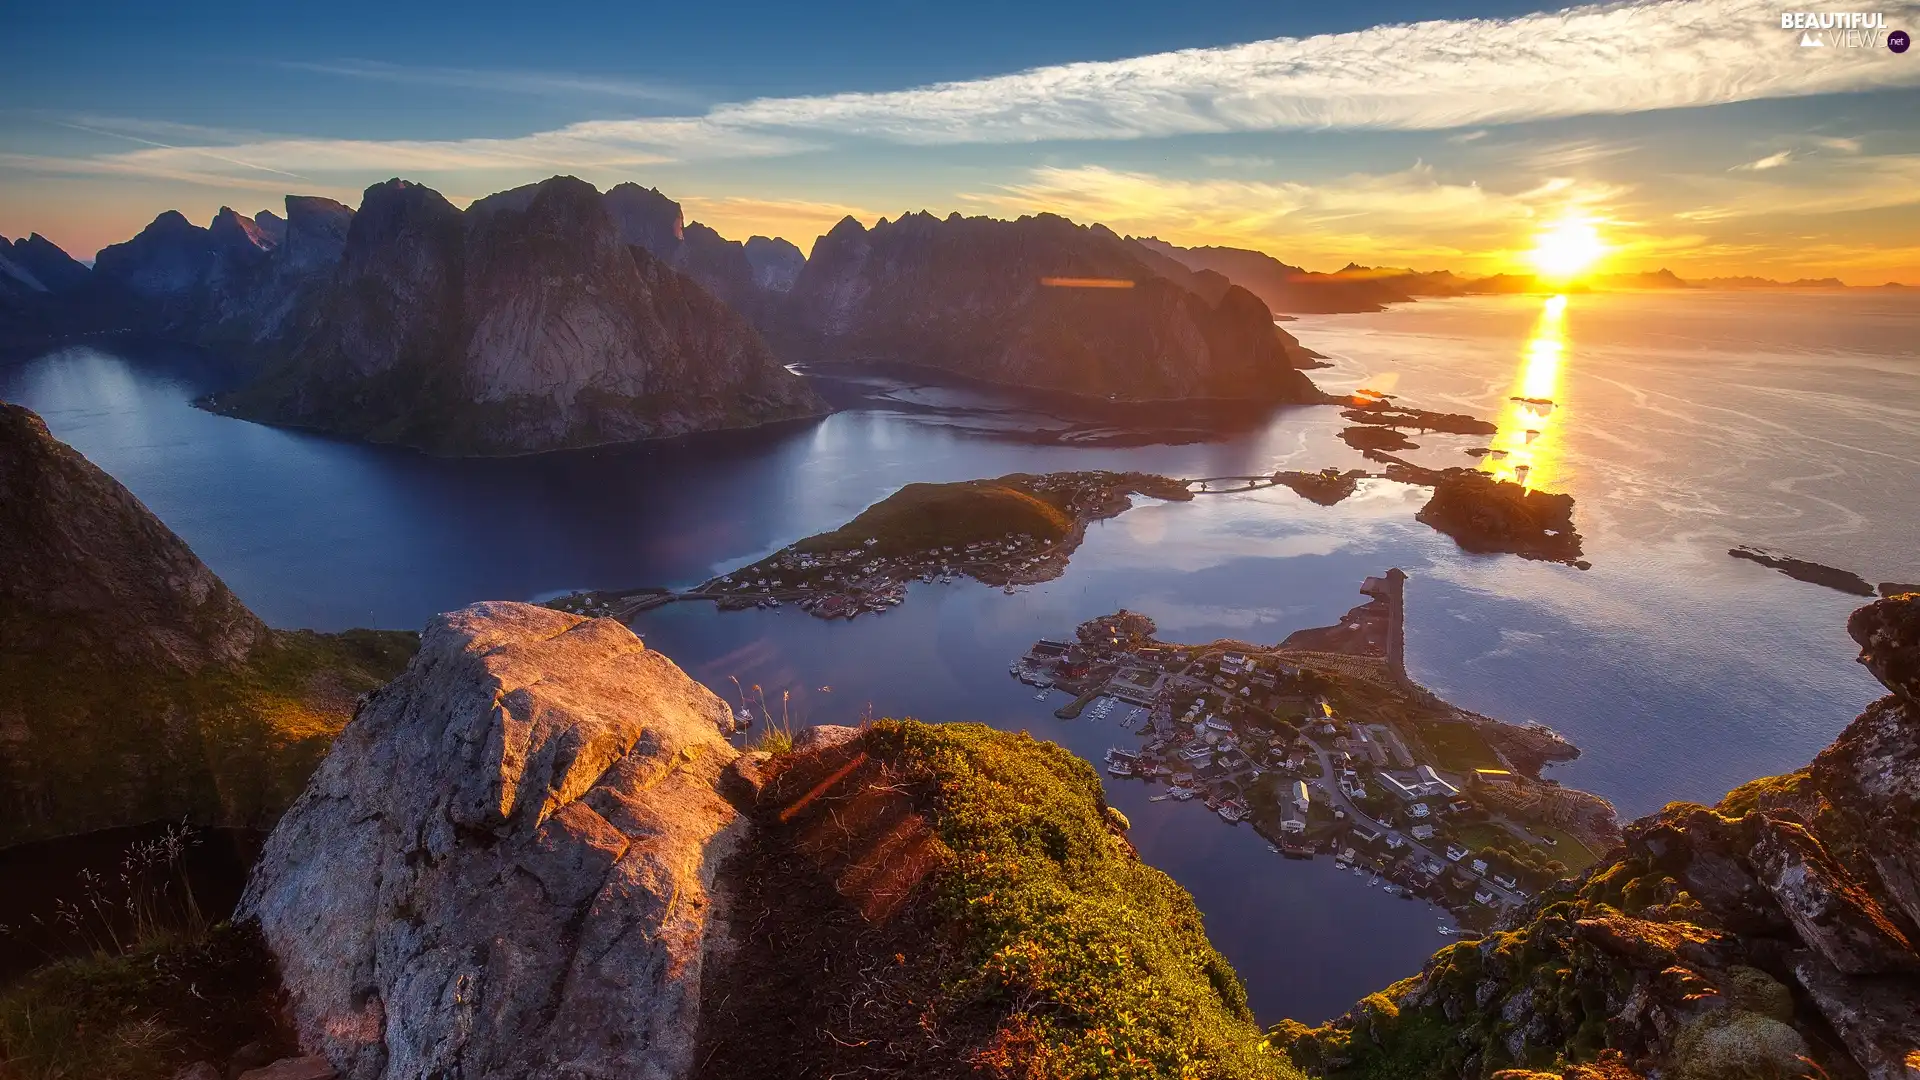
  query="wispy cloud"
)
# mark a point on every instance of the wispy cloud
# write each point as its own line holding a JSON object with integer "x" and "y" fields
{"x": 1771, "y": 161}
{"x": 542, "y": 83}
{"x": 1595, "y": 59}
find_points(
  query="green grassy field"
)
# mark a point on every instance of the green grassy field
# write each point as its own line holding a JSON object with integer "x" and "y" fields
{"x": 923, "y": 516}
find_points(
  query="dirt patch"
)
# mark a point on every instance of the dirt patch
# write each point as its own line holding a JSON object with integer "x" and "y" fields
{"x": 838, "y": 959}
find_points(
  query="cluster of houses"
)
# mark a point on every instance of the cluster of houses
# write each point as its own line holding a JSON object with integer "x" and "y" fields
{"x": 1211, "y": 731}
{"x": 848, "y": 581}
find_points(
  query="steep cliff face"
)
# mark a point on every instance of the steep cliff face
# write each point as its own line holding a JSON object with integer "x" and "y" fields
{"x": 776, "y": 262}
{"x": 1007, "y": 302}
{"x": 133, "y": 683}
{"x": 1770, "y": 936}
{"x": 524, "y": 324}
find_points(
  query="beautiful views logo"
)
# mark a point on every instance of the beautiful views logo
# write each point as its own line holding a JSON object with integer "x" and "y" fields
{"x": 1843, "y": 30}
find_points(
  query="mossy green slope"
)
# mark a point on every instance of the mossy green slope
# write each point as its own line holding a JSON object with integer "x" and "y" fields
{"x": 98, "y": 744}
{"x": 1103, "y": 959}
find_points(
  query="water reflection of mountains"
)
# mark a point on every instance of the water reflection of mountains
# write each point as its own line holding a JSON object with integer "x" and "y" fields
{"x": 1038, "y": 417}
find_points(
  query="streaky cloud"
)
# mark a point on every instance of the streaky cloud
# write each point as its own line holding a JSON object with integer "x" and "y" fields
{"x": 1616, "y": 58}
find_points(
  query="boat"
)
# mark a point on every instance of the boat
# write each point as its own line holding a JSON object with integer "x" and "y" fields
{"x": 1163, "y": 797}
{"x": 1041, "y": 696}
{"x": 1119, "y": 768}
{"x": 1182, "y": 794}
{"x": 1009, "y": 590}
{"x": 1229, "y": 812}
{"x": 1273, "y": 849}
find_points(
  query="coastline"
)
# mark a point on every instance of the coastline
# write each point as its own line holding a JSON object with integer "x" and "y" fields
{"x": 1323, "y": 750}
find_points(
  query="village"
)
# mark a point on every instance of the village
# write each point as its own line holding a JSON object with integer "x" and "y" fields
{"x": 1328, "y": 752}
{"x": 1013, "y": 531}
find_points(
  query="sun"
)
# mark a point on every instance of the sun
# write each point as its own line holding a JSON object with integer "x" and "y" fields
{"x": 1567, "y": 249}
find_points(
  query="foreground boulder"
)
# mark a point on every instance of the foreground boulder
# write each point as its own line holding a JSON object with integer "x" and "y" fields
{"x": 1770, "y": 936}
{"x": 535, "y": 855}
{"x": 503, "y": 867}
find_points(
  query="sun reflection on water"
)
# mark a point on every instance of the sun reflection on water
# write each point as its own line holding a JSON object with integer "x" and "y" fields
{"x": 1523, "y": 450}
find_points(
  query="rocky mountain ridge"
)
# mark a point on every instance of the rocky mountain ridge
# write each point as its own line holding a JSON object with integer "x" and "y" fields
{"x": 1769, "y": 936}
{"x": 1041, "y": 303}
{"x": 523, "y": 324}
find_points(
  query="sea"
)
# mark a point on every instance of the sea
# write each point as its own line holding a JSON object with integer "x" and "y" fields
{"x": 1683, "y": 424}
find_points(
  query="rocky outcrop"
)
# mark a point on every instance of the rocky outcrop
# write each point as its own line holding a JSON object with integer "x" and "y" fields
{"x": 85, "y": 568}
{"x": 1485, "y": 515}
{"x": 1771, "y": 935}
{"x": 524, "y": 324}
{"x": 535, "y": 854}
{"x": 776, "y": 262}
{"x": 505, "y": 866}
{"x": 1039, "y": 302}
{"x": 134, "y": 685}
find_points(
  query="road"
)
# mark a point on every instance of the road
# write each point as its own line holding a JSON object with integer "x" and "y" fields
{"x": 1332, "y": 792}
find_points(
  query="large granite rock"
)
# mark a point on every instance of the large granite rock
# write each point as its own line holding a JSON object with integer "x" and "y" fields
{"x": 525, "y": 324}
{"x": 505, "y": 866}
{"x": 1008, "y": 302}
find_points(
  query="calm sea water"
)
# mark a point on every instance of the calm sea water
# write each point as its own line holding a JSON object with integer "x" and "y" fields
{"x": 1683, "y": 424}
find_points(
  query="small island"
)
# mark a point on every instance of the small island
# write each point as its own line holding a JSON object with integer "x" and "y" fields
{"x": 1014, "y": 530}
{"x": 1813, "y": 573}
{"x": 1322, "y": 746}
{"x": 1022, "y": 529}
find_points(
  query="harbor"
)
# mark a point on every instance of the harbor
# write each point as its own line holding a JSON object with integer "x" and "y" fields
{"x": 1325, "y": 753}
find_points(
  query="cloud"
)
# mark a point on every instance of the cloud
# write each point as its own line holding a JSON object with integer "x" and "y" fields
{"x": 1595, "y": 59}
{"x": 541, "y": 83}
{"x": 1771, "y": 161}
{"x": 1837, "y": 145}
{"x": 1468, "y": 136}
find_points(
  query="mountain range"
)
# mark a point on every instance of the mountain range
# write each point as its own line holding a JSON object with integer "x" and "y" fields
{"x": 554, "y": 315}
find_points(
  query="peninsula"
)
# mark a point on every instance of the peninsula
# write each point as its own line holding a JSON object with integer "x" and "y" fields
{"x": 1324, "y": 746}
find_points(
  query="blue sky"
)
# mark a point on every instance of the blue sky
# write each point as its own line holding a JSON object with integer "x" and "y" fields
{"x": 1692, "y": 133}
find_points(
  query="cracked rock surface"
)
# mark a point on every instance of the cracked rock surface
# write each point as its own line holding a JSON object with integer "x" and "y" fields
{"x": 506, "y": 865}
